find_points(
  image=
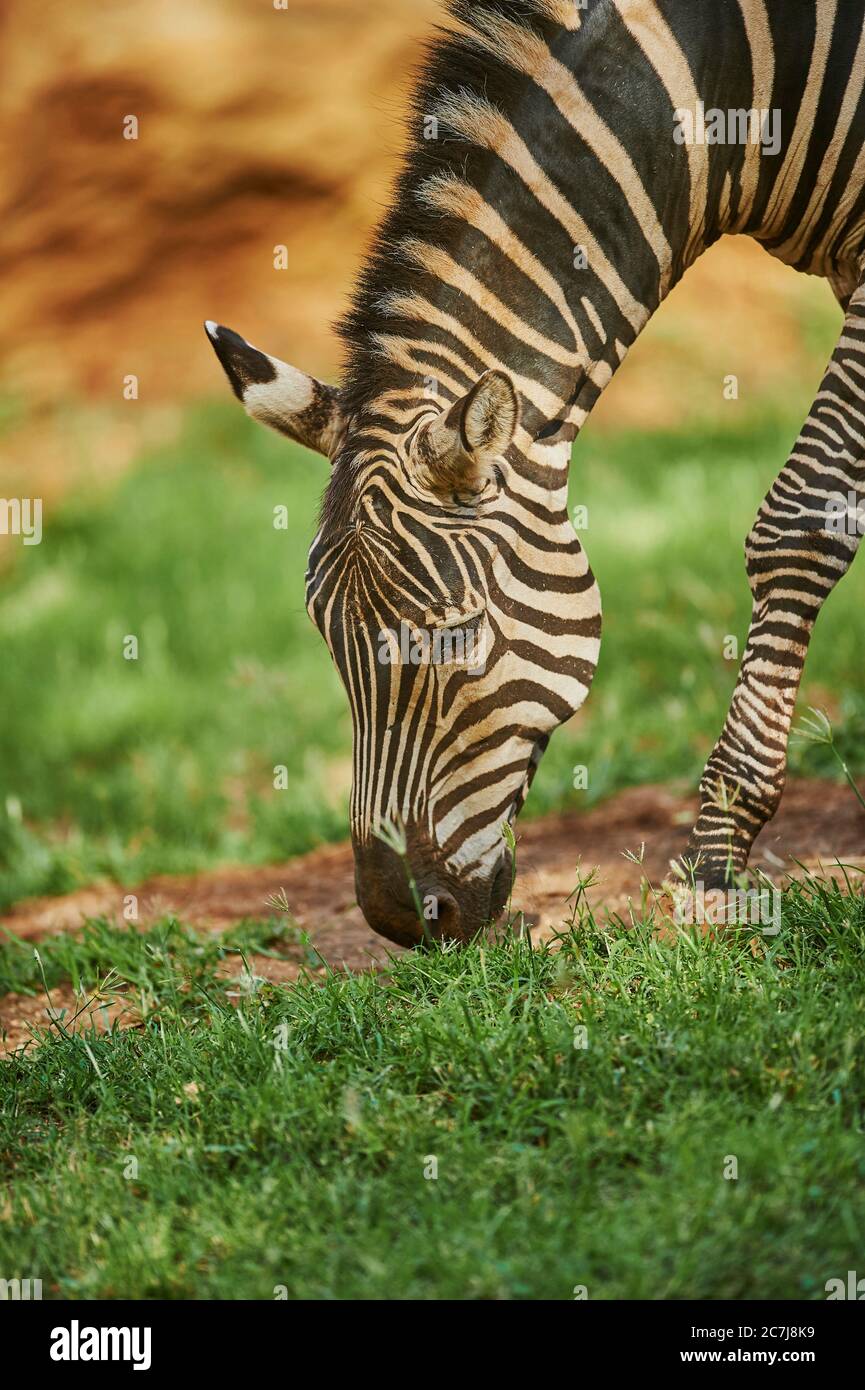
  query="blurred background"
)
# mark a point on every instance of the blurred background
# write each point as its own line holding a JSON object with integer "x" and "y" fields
{"x": 257, "y": 128}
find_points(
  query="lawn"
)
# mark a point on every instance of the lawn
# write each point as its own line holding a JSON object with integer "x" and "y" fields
{"x": 618, "y": 1115}
{"x": 618, "y": 1118}
{"x": 122, "y": 768}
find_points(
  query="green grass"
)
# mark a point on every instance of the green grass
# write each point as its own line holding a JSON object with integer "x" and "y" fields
{"x": 222, "y": 1151}
{"x": 123, "y": 768}
{"x": 246, "y": 1137}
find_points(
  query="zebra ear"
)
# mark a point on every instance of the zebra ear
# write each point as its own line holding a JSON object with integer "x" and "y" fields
{"x": 277, "y": 394}
{"x": 456, "y": 453}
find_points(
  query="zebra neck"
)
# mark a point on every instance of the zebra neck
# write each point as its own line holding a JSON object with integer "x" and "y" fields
{"x": 535, "y": 227}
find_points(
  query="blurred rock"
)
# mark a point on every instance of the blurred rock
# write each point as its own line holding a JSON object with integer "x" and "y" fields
{"x": 261, "y": 127}
{"x": 258, "y": 127}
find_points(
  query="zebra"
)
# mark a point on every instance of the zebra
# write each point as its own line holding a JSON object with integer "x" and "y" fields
{"x": 567, "y": 162}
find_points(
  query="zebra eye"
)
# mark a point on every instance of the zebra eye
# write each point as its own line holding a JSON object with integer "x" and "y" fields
{"x": 468, "y": 617}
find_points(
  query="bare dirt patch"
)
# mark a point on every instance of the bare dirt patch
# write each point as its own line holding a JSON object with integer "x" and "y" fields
{"x": 22, "y": 1015}
{"x": 819, "y": 821}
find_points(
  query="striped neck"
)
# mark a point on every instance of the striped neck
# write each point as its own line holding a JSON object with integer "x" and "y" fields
{"x": 491, "y": 255}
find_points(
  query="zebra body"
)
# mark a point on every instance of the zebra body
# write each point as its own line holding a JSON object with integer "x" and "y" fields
{"x": 568, "y": 163}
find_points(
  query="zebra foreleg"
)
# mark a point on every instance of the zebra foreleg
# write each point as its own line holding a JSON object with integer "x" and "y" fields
{"x": 806, "y": 533}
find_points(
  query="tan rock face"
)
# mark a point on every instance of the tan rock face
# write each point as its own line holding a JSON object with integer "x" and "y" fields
{"x": 259, "y": 128}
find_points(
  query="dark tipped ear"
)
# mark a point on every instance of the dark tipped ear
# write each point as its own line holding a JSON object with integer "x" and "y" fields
{"x": 277, "y": 394}
{"x": 456, "y": 453}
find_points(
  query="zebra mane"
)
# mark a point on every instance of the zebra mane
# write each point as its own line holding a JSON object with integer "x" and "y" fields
{"x": 463, "y": 69}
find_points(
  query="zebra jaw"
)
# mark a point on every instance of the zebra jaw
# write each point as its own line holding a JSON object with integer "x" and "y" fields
{"x": 279, "y": 395}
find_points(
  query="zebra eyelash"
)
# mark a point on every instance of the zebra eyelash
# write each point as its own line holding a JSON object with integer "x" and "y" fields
{"x": 460, "y": 619}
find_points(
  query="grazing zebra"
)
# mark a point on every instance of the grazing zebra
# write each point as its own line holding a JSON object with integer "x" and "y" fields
{"x": 568, "y": 162}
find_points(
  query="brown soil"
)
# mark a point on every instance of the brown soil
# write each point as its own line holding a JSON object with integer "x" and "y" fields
{"x": 818, "y": 823}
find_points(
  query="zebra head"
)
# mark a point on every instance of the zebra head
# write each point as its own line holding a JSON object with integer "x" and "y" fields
{"x": 462, "y": 617}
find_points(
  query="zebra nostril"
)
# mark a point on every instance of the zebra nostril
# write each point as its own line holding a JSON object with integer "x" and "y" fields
{"x": 444, "y": 924}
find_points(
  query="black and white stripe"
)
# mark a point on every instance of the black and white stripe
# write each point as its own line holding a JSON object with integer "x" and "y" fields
{"x": 527, "y": 245}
